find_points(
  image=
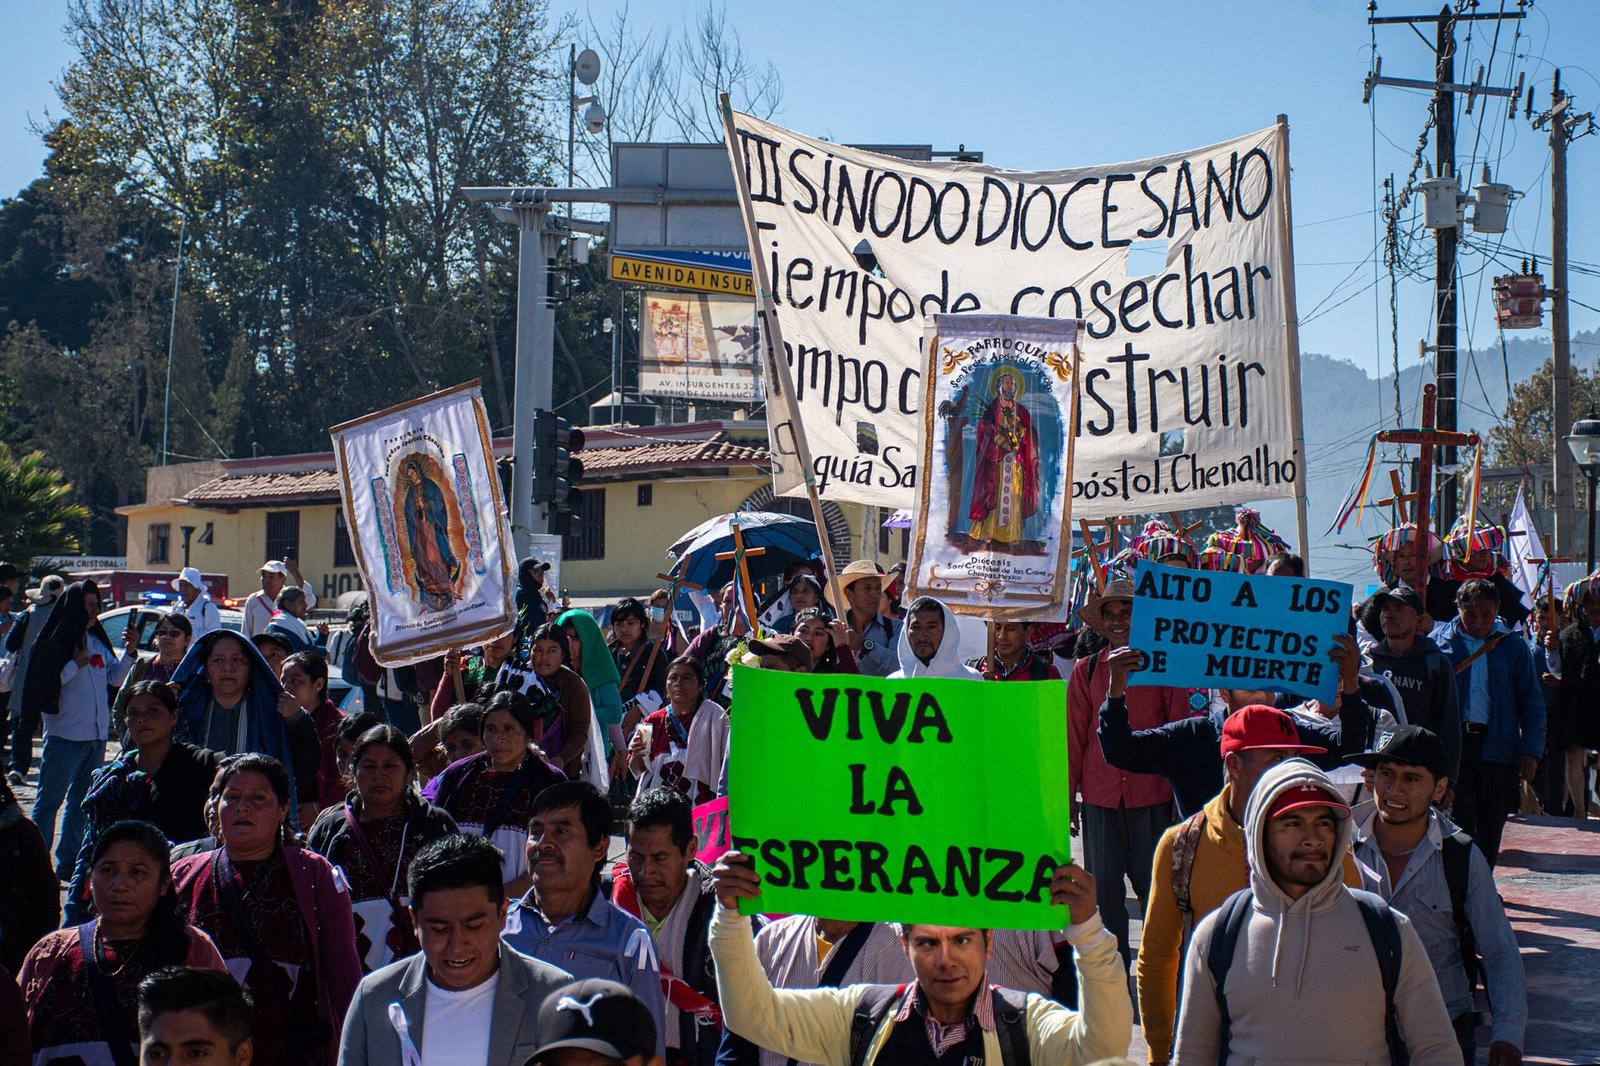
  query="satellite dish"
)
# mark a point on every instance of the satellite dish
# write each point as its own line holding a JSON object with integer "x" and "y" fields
{"x": 587, "y": 66}
{"x": 594, "y": 118}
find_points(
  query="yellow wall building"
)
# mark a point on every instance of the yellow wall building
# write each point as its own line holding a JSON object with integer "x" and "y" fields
{"x": 642, "y": 488}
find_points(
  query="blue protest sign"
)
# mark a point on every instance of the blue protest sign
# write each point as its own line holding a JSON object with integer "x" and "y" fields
{"x": 1206, "y": 629}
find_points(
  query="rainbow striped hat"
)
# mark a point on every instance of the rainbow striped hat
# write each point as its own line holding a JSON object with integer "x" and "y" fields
{"x": 1466, "y": 537}
{"x": 1575, "y": 593}
{"x": 1159, "y": 540}
{"x": 1243, "y": 549}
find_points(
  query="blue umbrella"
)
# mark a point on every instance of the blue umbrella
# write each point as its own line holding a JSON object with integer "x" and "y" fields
{"x": 788, "y": 539}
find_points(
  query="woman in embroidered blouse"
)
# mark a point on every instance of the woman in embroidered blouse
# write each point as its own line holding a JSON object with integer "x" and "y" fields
{"x": 373, "y": 836}
{"x": 683, "y": 747}
{"x": 491, "y": 793}
{"x": 81, "y": 984}
{"x": 279, "y": 914}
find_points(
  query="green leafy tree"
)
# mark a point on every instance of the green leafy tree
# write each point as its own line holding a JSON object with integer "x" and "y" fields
{"x": 1528, "y": 435}
{"x": 37, "y": 515}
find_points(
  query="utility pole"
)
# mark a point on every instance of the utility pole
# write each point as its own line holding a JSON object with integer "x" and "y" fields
{"x": 1561, "y": 126}
{"x": 1444, "y": 251}
{"x": 1444, "y": 88}
{"x": 540, "y": 234}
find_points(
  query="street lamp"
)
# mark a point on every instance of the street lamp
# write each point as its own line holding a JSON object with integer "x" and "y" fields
{"x": 1584, "y": 440}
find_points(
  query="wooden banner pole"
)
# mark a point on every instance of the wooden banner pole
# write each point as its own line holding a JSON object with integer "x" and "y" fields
{"x": 778, "y": 381}
{"x": 1291, "y": 345}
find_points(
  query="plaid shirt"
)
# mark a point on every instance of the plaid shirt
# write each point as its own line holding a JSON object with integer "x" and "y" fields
{"x": 944, "y": 1037}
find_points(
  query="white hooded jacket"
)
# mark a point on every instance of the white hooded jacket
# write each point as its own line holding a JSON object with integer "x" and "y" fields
{"x": 1305, "y": 985}
{"x": 946, "y": 661}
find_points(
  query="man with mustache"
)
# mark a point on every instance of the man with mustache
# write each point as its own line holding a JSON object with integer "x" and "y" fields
{"x": 565, "y": 919}
{"x": 1262, "y": 967}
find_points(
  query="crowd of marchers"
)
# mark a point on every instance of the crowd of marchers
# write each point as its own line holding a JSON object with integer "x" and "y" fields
{"x": 258, "y": 875}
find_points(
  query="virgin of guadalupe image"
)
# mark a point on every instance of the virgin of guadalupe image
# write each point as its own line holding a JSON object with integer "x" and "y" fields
{"x": 425, "y": 530}
{"x": 1005, "y": 475}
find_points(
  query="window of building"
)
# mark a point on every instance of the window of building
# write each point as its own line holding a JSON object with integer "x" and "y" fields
{"x": 158, "y": 543}
{"x": 283, "y": 534}
{"x": 343, "y": 553}
{"x": 646, "y": 494}
{"x": 587, "y": 539}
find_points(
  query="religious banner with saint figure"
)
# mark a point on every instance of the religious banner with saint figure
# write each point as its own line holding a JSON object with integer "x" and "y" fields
{"x": 992, "y": 532}
{"x": 427, "y": 524}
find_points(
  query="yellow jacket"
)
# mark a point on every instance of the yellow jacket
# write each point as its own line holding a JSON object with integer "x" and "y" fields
{"x": 813, "y": 1025}
{"x": 1220, "y": 869}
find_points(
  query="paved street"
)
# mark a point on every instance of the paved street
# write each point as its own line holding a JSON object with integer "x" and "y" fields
{"x": 1549, "y": 876}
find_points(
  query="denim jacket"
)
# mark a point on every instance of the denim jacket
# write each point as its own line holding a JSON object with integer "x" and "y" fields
{"x": 1516, "y": 706}
{"x": 1423, "y": 895}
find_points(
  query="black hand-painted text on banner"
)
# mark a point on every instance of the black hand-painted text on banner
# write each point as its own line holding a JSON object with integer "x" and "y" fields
{"x": 1173, "y": 264}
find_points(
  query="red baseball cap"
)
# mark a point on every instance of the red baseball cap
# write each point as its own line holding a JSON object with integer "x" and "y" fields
{"x": 1260, "y": 727}
{"x": 1306, "y": 796}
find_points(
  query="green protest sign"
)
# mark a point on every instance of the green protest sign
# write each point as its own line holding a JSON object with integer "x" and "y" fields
{"x": 919, "y": 800}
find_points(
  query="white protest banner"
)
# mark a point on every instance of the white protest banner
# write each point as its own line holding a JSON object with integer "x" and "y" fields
{"x": 993, "y": 535}
{"x": 429, "y": 528}
{"x": 1191, "y": 383}
{"x": 699, "y": 347}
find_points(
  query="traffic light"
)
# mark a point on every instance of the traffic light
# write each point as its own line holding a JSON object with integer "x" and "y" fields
{"x": 1519, "y": 300}
{"x": 546, "y": 432}
{"x": 556, "y": 469}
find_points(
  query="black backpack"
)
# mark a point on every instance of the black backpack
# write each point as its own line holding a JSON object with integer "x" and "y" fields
{"x": 1457, "y": 856}
{"x": 1010, "y": 1022}
{"x": 1381, "y": 927}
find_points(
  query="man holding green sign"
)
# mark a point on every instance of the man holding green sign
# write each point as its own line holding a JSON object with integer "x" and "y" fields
{"x": 923, "y": 799}
{"x": 940, "y": 804}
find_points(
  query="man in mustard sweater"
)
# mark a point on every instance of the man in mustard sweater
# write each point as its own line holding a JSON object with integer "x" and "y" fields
{"x": 1210, "y": 866}
{"x": 950, "y": 1013}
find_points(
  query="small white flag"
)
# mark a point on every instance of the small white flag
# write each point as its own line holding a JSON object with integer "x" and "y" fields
{"x": 1525, "y": 551}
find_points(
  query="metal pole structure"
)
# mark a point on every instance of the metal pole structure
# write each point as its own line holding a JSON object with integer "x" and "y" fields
{"x": 533, "y": 386}
{"x": 1444, "y": 105}
{"x": 172, "y": 337}
{"x": 1291, "y": 344}
{"x": 616, "y": 358}
{"x": 1566, "y": 516}
{"x": 572, "y": 112}
{"x": 1593, "y": 474}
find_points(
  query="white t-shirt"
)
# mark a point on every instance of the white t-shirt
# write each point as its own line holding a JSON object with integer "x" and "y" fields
{"x": 455, "y": 1027}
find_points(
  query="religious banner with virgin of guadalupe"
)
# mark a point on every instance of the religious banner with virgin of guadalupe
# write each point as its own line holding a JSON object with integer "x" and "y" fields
{"x": 427, "y": 523}
{"x": 992, "y": 529}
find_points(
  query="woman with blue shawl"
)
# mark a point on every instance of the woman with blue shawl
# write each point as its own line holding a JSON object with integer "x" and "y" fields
{"x": 230, "y": 702}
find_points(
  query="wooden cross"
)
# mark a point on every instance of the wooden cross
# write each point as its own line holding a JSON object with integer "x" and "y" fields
{"x": 742, "y": 572}
{"x": 1400, "y": 498}
{"x": 674, "y": 586}
{"x": 1091, "y": 550}
{"x": 1429, "y": 437}
{"x": 1181, "y": 529}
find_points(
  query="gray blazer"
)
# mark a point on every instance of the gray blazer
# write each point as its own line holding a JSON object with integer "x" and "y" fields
{"x": 370, "y": 1039}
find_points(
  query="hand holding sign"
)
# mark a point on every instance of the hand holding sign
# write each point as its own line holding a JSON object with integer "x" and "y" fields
{"x": 1123, "y": 662}
{"x": 1073, "y": 888}
{"x": 734, "y": 877}
{"x": 1347, "y": 657}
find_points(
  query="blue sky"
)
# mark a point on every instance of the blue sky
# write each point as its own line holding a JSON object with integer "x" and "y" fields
{"x": 1038, "y": 84}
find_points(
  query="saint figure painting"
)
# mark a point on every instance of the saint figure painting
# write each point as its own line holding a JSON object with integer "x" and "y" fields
{"x": 428, "y": 520}
{"x": 1005, "y": 476}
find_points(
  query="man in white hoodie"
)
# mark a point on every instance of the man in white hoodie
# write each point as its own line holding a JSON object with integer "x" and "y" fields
{"x": 930, "y": 643}
{"x": 1298, "y": 967}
